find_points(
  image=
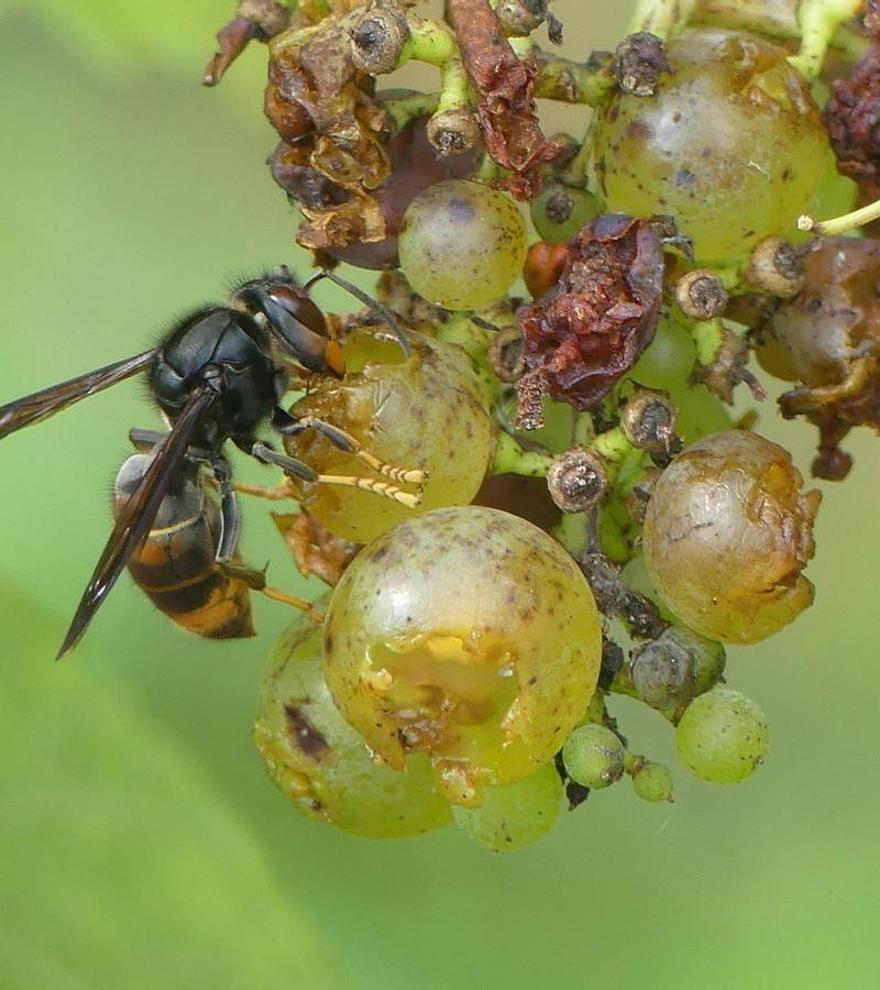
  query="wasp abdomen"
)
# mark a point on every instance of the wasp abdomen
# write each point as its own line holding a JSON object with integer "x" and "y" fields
{"x": 175, "y": 565}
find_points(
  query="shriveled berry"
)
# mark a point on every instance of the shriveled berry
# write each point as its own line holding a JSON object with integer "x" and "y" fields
{"x": 726, "y": 536}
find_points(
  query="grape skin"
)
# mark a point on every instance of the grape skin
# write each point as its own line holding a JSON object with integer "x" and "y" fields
{"x": 593, "y": 756}
{"x": 469, "y": 634}
{"x": 322, "y": 764}
{"x": 733, "y": 145}
{"x": 726, "y": 535}
{"x": 723, "y": 736}
{"x": 425, "y": 412}
{"x": 652, "y": 782}
{"x": 514, "y": 815}
{"x": 555, "y": 200}
{"x": 462, "y": 244}
{"x": 700, "y": 412}
{"x": 669, "y": 359}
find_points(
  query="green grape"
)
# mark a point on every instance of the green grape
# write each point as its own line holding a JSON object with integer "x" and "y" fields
{"x": 424, "y": 412}
{"x": 462, "y": 244}
{"x": 667, "y": 362}
{"x": 700, "y": 412}
{"x": 723, "y": 736}
{"x": 726, "y": 535}
{"x": 732, "y": 146}
{"x": 560, "y": 211}
{"x": 593, "y": 756}
{"x": 652, "y": 782}
{"x": 468, "y": 634}
{"x": 514, "y": 815}
{"x": 322, "y": 764}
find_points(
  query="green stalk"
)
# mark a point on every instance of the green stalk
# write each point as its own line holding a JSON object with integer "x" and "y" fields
{"x": 708, "y": 337}
{"x": 819, "y": 21}
{"x": 664, "y": 18}
{"x": 510, "y": 458}
{"x": 403, "y": 109}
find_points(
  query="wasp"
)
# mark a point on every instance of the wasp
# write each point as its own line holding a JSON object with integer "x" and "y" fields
{"x": 217, "y": 376}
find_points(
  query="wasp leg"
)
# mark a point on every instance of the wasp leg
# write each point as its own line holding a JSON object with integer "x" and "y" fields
{"x": 275, "y": 494}
{"x": 372, "y": 485}
{"x": 297, "y": 469}
{"x": 291, "y": 426}
{"x": 230, "y": 512}
{"x": 264, "y": 453}
{"x": 316, "y": 615}
{"x": 256, "y": 581}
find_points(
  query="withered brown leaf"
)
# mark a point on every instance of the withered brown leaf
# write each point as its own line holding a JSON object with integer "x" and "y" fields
{"x": 506, "y": 113}
{"x": 584, "y": 334}
{"x": 315, "y": 549}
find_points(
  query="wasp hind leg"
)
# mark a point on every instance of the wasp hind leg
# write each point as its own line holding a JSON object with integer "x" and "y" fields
{"x": 256, "y": 581}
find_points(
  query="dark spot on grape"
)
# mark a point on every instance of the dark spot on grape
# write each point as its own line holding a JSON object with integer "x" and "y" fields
{"x": 328, "y": 642}
{"x": 303, "y": 735}
{"x": 460, "y": 211}
{"x": 685, "y": 179}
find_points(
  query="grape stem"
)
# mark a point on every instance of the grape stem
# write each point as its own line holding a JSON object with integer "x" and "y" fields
{"x": 428, "y": 42}
{"x": 563, "y": 79}
{"x": 841, "y": 224}
{"x": 708, "y": 336}
{"x": 511, "y": 458}
{"x": 612, "y": 445}
{"x": 572, "y": 532}
{"x": 662, "y": 18}
{"x": 819, "y": 21}
{"x": 403, "y": 109}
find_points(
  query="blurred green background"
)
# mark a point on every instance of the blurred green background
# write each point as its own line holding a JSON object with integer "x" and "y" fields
{"x": 141, "y": 843}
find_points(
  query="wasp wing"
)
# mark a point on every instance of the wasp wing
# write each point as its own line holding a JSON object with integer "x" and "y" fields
{"x": 41, "y": 405}
{"x": 136, "y": 518}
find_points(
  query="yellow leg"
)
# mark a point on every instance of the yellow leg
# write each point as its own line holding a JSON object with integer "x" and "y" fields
{"x": 345, "y": 441}
{"x": 372, "y": 485}
{"x": 281, "y": 596}
{"x": 275, "y": 494}
{"x": 409, "y": 476}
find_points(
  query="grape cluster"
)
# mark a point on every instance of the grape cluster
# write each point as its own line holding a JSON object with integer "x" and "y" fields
{"x": 573, "y": 512}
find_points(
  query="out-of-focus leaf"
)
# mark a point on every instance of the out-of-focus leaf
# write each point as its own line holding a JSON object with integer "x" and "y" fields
{"x": 163, "y": 32}
{"x": 121, "y": 866}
